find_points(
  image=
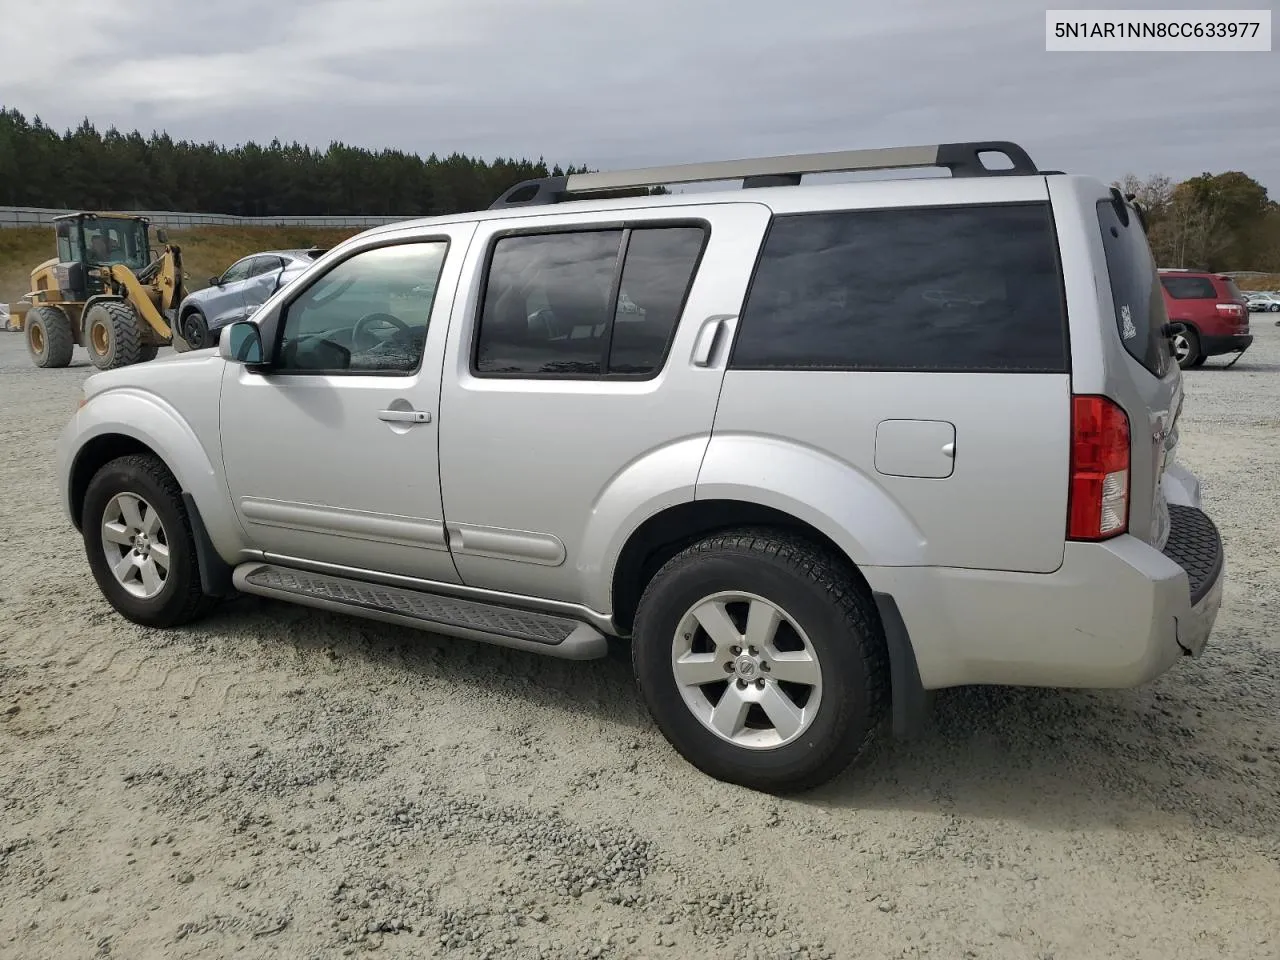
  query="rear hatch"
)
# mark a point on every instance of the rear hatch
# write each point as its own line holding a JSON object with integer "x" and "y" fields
{"x": 1235, "y": 296}
{"x": 1142, "y": 323}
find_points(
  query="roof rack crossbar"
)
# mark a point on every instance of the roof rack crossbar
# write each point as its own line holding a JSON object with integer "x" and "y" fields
{"x": 962, "y": 159}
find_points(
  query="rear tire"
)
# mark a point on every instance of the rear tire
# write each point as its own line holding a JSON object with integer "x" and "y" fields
{"x": 49, "y": 340}
{"x": 154, "y": 581}
{"x": 112, "y": 335}
{"x": 1274, "y": 308}
{"x": 149, "y": 352}
{"x": 770, "y": 734}
{"x": 1186, "y": 346}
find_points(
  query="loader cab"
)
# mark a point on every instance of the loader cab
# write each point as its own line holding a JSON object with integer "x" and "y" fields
{"x": 87, "y": 240}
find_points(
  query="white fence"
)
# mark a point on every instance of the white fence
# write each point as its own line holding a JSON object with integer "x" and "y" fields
{"x": 36, "y": 216}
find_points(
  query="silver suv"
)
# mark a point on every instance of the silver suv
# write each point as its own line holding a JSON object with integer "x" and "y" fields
{"x": 814, "y": 451}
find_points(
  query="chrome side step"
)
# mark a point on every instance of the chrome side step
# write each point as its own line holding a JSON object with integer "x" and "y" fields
{"x": 434, "y": 612}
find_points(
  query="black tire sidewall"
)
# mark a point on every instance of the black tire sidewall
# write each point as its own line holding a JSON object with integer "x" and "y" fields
{"x": 195, "y": 318}
{"x": 1193, "y": 345}
{"x": 127, "y": 477}
{"x": 843, "y": 714}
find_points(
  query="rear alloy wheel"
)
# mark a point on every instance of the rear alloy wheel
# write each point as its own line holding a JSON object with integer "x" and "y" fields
{"x": 761, "y": 660}
{"x": 112, "y": 335}
{"x": 49, "y": 337}
{"x": 1186, "y": 346}
{"x": 1274, "y": 308}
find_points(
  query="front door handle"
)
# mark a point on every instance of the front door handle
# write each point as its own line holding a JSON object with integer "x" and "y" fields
{"x": 405, "y": 416}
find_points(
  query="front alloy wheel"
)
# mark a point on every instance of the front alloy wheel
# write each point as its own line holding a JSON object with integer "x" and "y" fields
{"x": 139, "y": 543}
{"x": 136, "y": 545}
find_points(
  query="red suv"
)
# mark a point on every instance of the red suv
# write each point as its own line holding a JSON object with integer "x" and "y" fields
{"x": 1208, "y": 313}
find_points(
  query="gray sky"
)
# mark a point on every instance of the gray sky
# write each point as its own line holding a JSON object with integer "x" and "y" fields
{"x": 612, "y": 83}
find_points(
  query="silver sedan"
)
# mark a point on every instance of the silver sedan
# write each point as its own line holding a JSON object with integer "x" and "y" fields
{"x": 237, "y": 293}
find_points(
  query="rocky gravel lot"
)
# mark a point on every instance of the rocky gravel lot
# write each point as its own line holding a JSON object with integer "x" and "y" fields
{"x": 281, "y": 782}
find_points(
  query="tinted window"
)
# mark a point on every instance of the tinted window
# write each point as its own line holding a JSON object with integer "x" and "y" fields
{"x": 939, "y": 289}
{"x": 549, "y": 301}
{"x": 368, "y": 314}
{"x": 261, "y": 265}
{"x": 1233, "y": 292}
{"x": 1190, "y": 288}
{"x": 655, "y": 280}
{"x": 1135, "y": 289}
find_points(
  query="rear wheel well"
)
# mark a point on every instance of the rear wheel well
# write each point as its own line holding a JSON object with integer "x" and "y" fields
{"x": 92, "y": 457}
{"x": 661, "y": 537}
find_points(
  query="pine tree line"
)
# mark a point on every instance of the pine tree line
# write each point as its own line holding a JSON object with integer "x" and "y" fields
{"x": 84, "y": 169}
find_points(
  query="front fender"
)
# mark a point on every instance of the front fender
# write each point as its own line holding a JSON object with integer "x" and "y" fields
{"x": 828, "y": 494}
{"x": 148, "y": 419}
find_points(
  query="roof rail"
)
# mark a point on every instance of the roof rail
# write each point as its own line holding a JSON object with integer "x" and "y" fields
{"x": 962, "y": 159}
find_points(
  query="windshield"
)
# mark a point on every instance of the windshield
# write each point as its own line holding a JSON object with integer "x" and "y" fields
{"x": 108, "y": 241}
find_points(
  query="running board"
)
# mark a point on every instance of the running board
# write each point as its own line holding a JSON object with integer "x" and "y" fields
{"x": 543, "y": 633}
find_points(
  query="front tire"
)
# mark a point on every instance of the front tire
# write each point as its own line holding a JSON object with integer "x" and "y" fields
{"x": 761, "y": 660}
{"x": 49, "y": 337}
{"x": 139, "y": 543}
{"x": 194, "y": 330}
{"x": 112, "y": 335}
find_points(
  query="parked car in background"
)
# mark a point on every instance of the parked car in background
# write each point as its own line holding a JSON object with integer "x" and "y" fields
{"x": 1208, "y": 314}
{"x": 1263, "y": 302}
{"x": 235, "y": 295}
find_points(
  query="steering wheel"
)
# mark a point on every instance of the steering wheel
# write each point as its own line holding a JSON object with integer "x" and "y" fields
{"x": 368, "y": 320}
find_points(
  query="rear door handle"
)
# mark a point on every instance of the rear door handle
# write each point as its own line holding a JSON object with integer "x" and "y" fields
{"x": 405, "y": 416}
{"x": 708, "y": 336}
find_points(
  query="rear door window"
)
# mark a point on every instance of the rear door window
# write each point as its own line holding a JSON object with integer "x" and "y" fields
{"x": 943, "y": 289}
{"x": 1135, "y": 289}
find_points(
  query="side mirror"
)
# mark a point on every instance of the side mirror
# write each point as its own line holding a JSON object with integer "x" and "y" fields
{"x": 241, "y": 342}
{"x": 162, "y": 235}
{"x": 215, "y": 281}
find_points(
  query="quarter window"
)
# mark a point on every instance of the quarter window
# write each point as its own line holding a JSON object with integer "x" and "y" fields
{"x": 369, "y": 314}
{"x": 943, "y": 289}
{"x": 1189, "y": 288}
{"x": 556, "y": 305}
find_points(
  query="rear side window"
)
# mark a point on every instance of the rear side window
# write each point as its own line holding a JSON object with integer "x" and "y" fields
{"x": 1233, "y": 292}
{"x": 1135, "y": 289}
{"x": 585, "y": 304}
{"x": 1190, "y": 288}
{"x": 947, "y": 289}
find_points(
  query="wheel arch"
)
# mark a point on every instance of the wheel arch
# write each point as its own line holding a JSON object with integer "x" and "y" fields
{"x": 666, "y": 533}
{"x": 123, "y": 422}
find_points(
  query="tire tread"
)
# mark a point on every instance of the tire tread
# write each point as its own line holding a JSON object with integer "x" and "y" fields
{"x": 196, "y": 603}
{"x": 835, "y": 575}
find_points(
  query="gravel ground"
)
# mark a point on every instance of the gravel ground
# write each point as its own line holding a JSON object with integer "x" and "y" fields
{"x": 280, "y": 782}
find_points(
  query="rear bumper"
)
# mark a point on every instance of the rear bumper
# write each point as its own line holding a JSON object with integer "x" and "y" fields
{"x": 1115, "y": 614}
{"x": 1234, "y": 343}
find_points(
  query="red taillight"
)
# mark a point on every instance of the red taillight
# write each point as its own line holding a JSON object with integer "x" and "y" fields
{"x": 1232, "y": 311}
{"x": 1098, "y": 502}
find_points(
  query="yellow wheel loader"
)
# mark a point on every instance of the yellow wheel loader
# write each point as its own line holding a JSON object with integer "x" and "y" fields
{"x": 104, "y": 292}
